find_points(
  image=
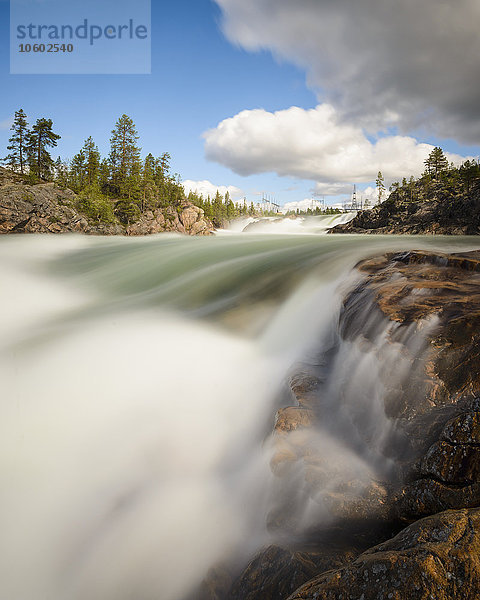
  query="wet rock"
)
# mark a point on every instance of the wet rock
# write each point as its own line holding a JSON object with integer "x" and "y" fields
{"x": 292, "y": 418}
{"x": 276, "y": 572}
{"x": 448, "y": 475}
{"x": 455, "y": 464}
{"x": 464, "y": 429}
{"x": 304, "y": 385}
{"x": 215, "y": 586}
{"x": 426, "y": 306}
{"x": 427, "y": 497}
{"x": 437, "y": 557}
{"x": 436, "y": 293}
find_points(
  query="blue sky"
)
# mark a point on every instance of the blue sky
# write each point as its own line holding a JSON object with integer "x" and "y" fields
{"x": 200, "y": 78}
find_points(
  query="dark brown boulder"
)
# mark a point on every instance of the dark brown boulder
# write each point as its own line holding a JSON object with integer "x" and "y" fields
{"x": 435, "y": 558}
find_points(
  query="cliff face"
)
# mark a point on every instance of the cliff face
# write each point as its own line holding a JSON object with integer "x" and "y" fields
{"x": 421, "y": 208}
{"x": 189, "y": 219}
{"x": 46, "y": 208}
{"x": 413, "y": 531}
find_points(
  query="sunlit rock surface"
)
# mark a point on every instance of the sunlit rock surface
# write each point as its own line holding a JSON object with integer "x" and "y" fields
{"x": 47, "y": 208}
{"x": 437, "y": 557}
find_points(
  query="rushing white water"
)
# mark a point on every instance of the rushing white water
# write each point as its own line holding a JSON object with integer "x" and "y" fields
{"x": 139, "y": 379}
{"x": 293, "y": 225}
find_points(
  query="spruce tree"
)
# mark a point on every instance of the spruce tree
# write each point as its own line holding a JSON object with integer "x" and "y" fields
{"x": 39, "y": 139}
{"x": 17, "y": 159}
{"x": 124, "y": 156}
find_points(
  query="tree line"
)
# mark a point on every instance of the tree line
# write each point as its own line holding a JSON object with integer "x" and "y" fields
{"x": 438, "y": 172}
{"x": 119, "y": 186}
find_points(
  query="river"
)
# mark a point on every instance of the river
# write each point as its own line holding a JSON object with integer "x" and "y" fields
{"x": 140, "y": 378}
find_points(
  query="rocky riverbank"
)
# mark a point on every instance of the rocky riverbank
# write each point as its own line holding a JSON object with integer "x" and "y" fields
{"x": 409, "y": 531}
{"x": 423, "y": 207}
{"x": 47, "y": 208}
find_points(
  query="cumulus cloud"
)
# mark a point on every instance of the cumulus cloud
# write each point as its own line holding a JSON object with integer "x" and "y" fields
{"x": 400, "y": 62}
{"x": 312, "y": 144}
{"x": 302, "y": 205}
{"x": 331, "y": 189}
{"x": 207, "y": 188}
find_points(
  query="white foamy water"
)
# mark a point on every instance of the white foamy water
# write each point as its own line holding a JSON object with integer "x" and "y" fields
{"x": 139, "y": 379}
{"x": 287, "y": 225}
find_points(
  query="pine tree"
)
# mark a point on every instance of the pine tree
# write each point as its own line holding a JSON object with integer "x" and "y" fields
{"x": 380, "y": 182}
{"x": 124, "y": 156}
{"x": 162, "y": 168}
{"x": 468, "y": 172}
{"x": 39, "y": 139}
{"x": 436, "y": 162}
{"x": 17, "y": 159}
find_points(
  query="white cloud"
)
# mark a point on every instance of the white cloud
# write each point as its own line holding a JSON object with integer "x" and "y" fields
{"x": 207, "y": 188}
{"x": 377, "y": 61}
{"x": 312, "y": 144}
{"x": 369, "y": 191}
{"x": 6, "y": 124}
{"x": 302, "y": 205}
{"x": 331, "y": 189}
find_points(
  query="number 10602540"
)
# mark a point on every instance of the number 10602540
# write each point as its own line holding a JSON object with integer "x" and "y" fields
{"x": 45, "y": 48}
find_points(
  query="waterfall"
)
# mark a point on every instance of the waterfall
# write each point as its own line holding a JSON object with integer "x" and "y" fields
{"x": 140, "y": 382}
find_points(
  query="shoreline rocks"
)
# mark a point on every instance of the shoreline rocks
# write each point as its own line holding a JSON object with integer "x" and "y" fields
{"x": 429, "y": 207}
{"x": 47, "y": 208}
{"x": 416, "y": 532}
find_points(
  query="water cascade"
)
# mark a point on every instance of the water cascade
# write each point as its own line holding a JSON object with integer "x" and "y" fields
{"x": 140, "y": 382}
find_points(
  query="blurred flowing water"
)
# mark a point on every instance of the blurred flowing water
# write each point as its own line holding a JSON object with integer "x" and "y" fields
{"x": 139, "y": 379}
